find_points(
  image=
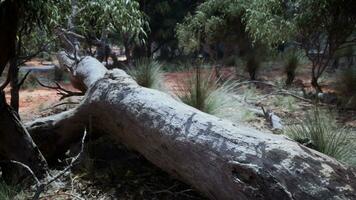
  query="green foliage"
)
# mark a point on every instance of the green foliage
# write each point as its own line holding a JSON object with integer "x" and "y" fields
{"x": 121, "y": 17}
{"x": 266, "y": 20}
{"x": 319, "y": 131}
{"x": 275, "y": 21}
{"x": 320, "y": 28}
{"x": 163, "y": 15}
{"x": 148, "y": 73}
{"x": 213, "y": 21}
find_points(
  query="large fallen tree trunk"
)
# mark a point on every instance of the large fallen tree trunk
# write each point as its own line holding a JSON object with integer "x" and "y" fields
{"x": 221, "y": 159}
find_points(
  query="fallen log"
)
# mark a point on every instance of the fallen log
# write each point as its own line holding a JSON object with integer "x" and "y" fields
{"x": 221, "y": 159}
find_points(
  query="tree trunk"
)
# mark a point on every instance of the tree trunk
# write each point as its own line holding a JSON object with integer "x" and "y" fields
{"x": 14, "y": 83}
{"x": 220, "y": 159}
{"x": 16, "y": 144}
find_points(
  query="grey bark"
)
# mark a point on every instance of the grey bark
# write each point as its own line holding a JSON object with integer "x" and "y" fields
{"x": 221, "y": 159}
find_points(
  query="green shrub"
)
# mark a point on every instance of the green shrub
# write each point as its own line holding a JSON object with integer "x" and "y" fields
{"x": 147, "y": 73}
{"x": 290, "y": 67}
{"x": 319, "y": 131}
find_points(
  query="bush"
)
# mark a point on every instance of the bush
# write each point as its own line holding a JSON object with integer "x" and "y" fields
{"x": 147, "y": 73}
{"x": 319, "y": 131}
{"x": 290, "y": 67}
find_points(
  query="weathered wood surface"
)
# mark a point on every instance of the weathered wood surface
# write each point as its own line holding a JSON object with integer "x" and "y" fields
{"x": 220, "y": 159}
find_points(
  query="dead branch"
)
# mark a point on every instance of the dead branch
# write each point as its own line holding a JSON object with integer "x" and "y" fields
{"x": 60, "y": 104}
{"x": 279, "y": 91}
{"x": 24, "y": 78}
{"x": 42, "y": 186}
{"x": 28, "y": 169}
{"x": 61, "y": 90}
{"x": 7, "y": 81}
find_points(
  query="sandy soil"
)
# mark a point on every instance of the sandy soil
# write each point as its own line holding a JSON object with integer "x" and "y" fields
{"x": 38, "y": 101}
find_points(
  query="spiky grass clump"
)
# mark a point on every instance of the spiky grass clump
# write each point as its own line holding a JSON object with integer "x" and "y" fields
{"x": 204, "y": 92}
{"x": 148, "y": 73}
{"x": 197, "y": 90}
{"x": 290, "y": 66}
{"x": 320, "y": 132}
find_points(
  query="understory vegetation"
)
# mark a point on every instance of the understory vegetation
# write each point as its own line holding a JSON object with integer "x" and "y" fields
{"x": 319, "y": 131}
{"x": 291, "y": 65}
{"x": 208, "y": 93}
{"x": 147, "y": 73}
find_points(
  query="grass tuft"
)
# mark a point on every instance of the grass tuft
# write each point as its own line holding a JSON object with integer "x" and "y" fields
{"x": 204, "y": 92}
{"x": 319, "y": 131}
{"x": 148, "y": 73}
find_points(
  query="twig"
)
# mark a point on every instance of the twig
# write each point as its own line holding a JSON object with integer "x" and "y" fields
{"x": 279, "y": 91}
{"x": 23, "y": 78}
{"x": 7, "y": 81}
{"x": 38, "y": 183}
{"x": 62, "y": 194}
{"x": 42, "y": 186}
{"x": 61, "y": 90}
{"x": 60, "y": 104}
{"x": 249, "y": 82}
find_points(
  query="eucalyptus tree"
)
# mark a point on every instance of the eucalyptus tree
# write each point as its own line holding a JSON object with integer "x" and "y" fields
{"x": 96, "y": 20}
{"x": 15, "y": 142}
{"x": 319, "y": 27}
{"x": 220, "y": 25}
{"x": 163, "y": 16}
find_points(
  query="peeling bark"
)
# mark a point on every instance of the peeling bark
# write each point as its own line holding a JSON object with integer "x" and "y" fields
{"x": 221, "y": 159}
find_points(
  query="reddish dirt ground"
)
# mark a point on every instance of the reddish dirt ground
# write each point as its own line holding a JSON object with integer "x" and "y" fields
{"x": 34, "y": 101}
